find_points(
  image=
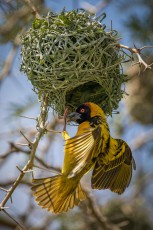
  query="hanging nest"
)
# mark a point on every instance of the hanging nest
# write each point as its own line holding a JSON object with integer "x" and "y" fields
{"x": 71, "y": 58}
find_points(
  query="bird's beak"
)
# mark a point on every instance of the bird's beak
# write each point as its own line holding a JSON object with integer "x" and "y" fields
{"x": 73, "y": 116}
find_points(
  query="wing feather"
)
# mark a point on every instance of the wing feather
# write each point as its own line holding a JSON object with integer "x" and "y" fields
{"x": 116, "y": 175}
{"x": 80, "y": 150}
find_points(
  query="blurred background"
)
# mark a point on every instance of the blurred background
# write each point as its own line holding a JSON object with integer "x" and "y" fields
{"x": 133, "y": 20}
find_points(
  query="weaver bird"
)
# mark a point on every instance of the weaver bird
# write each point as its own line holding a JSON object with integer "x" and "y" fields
{"x": 91, "y": 148}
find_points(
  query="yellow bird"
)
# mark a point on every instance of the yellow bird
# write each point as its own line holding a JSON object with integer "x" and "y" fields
{"x": 91, "y": 148}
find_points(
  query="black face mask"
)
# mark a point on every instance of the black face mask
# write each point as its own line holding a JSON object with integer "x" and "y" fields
{"x": 84, "y": 112}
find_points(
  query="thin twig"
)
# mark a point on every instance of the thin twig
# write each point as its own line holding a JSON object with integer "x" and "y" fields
{"x": 13, "y": 219}
{"x": 6, "y": 190}
{"x": 30, "y": 143}
{"x": 65, "y": 116}
{"x": 33, "y": 8}
{"x": 22, "y": 144}
{"x": 103, "y": 221}
{"x": 95, "y": 8}
{"x": 144, "y": 47}
{"x": 31, "y": 118}
{"x": 3, "y": 189}
{"x": 15, "y": 148}
{"x": 8, "y": 62}
{"x": 137, "y": 51}
{"x": 141, "y": 61}
{"x": 10, "y": 182}
{"x": 13, "y": 20}
{"x": 40, "y": 132}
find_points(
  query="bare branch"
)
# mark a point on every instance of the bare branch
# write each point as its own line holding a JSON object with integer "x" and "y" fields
{"x": 95, "y": 8}
{"x": 65, "y": 116}
{"x": 33, "y": 8}
{"x": 10, "y": 182}
{"x": 15, "y": 148}
{"x": 103, "y": 221}
{"x": 13, "y": 219}
{"x": 142, "y": 62}
{"x": 3, "y": 189}
{"x": 137, "y": 51}
{"x": 13, "y": 20}
{"x": 144, "y": 47}
{"x": 40, "y": 132}
{"x": 31, "y": 118}
{"x": 30, "y": 143}
{"x": 8, "y": 62}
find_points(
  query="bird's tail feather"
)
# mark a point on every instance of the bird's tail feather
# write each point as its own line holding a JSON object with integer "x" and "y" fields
{"x": 57, "y": 193}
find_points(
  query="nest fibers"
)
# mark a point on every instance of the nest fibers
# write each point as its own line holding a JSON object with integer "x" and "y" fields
{"x": 72, "y": 59}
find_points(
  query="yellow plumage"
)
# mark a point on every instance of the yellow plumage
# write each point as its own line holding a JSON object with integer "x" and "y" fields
{"x": 91, "y": 147}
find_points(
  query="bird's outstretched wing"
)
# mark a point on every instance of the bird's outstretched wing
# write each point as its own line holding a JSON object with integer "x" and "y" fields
{"x": 81, "y": 150}
{"x": 116, "y": 175}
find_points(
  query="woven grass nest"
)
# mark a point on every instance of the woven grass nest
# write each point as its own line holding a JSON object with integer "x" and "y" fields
{"x": 71, "y": 58}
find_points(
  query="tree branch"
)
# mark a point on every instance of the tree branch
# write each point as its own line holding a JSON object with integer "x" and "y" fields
{"x": 10, "y": 182}
{"x": 14, "y": 220}
{"x": 137, "y": 51}
{"x": 13, "y": 20}
{"x": 8, "y": 62}
{"x": 95, "y": 8}
{"x": 41, "y": 129}
{"x": 34, "y": 9}
{"x": 103, "y": 221}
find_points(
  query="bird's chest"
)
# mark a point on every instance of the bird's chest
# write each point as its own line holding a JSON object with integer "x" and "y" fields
{"x": 83, "y": 127}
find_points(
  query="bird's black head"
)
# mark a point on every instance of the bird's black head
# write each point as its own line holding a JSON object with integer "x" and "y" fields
{"x": 81, "y": 114}
{"x": 84, "y": 112}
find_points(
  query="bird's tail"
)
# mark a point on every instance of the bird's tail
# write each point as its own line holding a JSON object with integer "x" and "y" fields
{"x": 57, "y": 193}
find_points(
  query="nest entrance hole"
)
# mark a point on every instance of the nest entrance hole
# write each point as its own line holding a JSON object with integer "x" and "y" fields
{"x": 90, "y": 91}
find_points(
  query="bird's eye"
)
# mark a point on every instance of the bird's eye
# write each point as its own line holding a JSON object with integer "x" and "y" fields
{"x": 82, "y": 110}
